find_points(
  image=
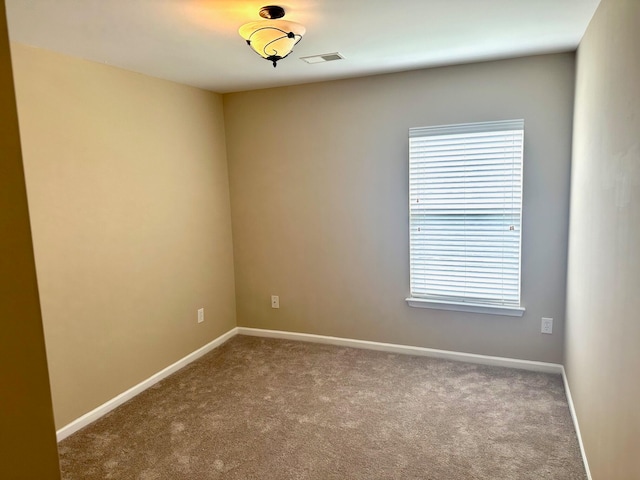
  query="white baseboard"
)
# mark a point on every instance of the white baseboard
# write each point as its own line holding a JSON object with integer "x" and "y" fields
{"x": 407, "y": 350}
{"x": 574, "y": 417}
{"x": 106, "y": 407}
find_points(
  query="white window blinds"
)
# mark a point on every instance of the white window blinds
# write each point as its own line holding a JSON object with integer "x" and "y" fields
{"x": 465, "y": 196}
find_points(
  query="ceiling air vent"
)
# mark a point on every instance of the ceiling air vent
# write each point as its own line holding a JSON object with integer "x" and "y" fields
{"x": 325, "y": 57}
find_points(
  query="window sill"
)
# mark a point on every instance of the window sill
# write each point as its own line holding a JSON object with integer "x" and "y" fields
{"x": 466, "y": 307}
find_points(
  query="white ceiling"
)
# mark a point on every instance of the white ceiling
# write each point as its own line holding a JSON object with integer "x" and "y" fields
{"x": 196, "y": 42}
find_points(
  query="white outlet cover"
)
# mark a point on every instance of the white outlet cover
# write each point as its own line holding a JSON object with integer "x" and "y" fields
{"x": 547, "y": 325}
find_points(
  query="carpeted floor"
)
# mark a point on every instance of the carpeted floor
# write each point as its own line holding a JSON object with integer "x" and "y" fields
{"x": 272, "y": 409}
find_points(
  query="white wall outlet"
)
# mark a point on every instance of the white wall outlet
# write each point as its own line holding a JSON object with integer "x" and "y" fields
{"x": 547, "y": 325}
{"x": 200, "y": 315}
{"x": 275, "y": 301}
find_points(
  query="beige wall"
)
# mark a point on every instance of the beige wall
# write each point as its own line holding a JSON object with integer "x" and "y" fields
{"x": 318, "y": 177}
{"x": 603, "y": 302}
{"x": 128, "y": 190}
{"x": 27, "y": 434}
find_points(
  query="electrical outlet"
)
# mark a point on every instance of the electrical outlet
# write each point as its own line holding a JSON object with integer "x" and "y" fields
{"x": 275, "y": 301}
{"x": 200, "y": 315}
{"x": 547, "y": 325}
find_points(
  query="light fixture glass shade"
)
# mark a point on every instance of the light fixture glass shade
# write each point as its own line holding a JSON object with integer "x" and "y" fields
{"x": 272, "y": 39}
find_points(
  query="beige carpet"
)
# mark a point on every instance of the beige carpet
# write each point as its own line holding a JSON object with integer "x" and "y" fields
{"x": 272, "y": 409}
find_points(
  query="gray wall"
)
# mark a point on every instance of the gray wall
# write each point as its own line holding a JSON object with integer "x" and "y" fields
{"x": 318, "y": 178}
{"x": 603, "y": 294}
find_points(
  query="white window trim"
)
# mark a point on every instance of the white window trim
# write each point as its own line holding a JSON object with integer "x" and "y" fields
{"x": 466, "y": 307}
{"x": 484, "y": 308}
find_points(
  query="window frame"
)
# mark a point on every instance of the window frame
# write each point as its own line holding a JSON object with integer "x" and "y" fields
{"x": 467, "y": 304}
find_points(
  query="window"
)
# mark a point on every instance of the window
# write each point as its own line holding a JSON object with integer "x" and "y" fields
{"x": 465, "y": 197}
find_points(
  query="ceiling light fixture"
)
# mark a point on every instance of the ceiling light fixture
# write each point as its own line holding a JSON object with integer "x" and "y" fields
{"x": 271, "y": 38}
